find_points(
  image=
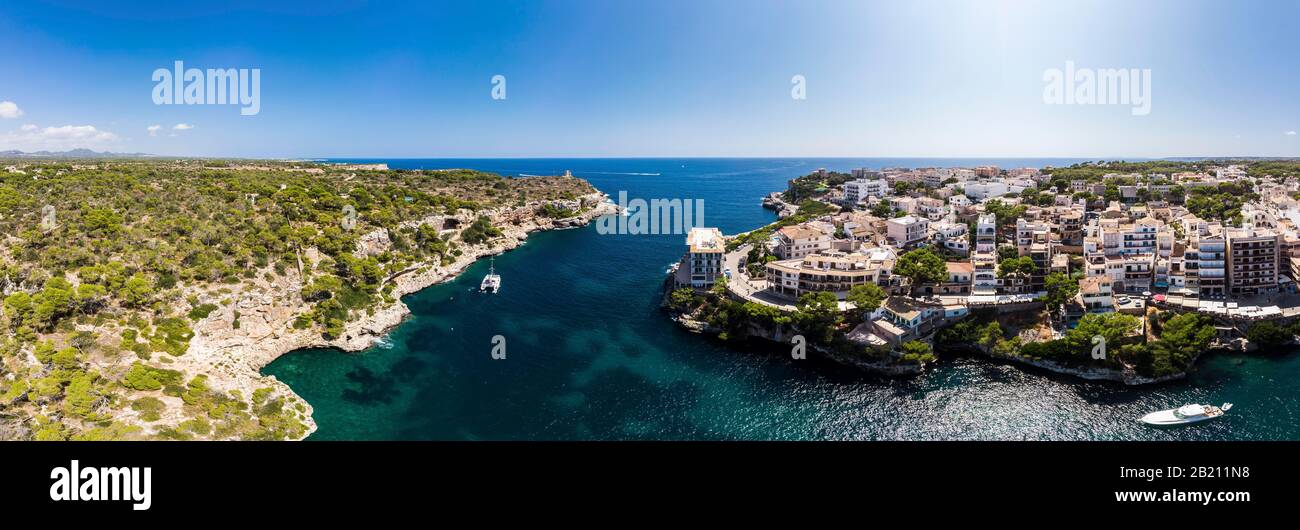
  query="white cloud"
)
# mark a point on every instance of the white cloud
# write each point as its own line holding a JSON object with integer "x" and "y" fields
{"x": 10, "y": 110}
{"x": 182, "y": 127}
{"x": 30, "y": 137}
{"x": 1290, "y": 133}
{"x": 153, "y": 129}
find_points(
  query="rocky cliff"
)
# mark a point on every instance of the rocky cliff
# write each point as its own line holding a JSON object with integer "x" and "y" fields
{"x": 233, "y": 356}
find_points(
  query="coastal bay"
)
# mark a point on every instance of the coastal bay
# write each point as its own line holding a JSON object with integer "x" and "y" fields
{"x": 592, "y": 357}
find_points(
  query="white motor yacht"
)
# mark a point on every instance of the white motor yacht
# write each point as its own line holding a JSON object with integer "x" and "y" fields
{"x": 1185, "y": 414}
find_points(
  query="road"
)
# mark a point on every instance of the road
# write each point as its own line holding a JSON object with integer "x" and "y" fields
{"x": 745, "y": 288}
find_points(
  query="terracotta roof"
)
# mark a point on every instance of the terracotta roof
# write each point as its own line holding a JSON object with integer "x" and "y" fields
{"x": 965, "y": 267}
{"x": 800, "y": 232}
{"x": 1092, "y": 285}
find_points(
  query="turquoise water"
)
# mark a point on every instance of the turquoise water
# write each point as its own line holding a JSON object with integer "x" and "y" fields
{"x": 590, "y": 356}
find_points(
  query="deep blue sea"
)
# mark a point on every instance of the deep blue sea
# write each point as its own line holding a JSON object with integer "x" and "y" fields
{"x": 590, "y": 356}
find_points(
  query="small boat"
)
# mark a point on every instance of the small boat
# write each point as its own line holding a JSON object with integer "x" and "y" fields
{"x": 1185, "y": 414}
{"x": 491, "y": 282}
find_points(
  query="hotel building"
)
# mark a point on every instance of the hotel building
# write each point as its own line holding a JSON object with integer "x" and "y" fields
{"x": 856, "y": 191}
{"x": 703, "y": 260}
{"x": 830, "y": 271}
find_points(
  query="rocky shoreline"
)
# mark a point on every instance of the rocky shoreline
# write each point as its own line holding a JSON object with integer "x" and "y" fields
{"x": 233, "y": 357}
{"x": 1127, "y": 377}
{"x": 888, "y": 369}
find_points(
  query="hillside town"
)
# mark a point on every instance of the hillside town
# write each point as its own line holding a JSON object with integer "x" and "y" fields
{"x": 1046, "y": 248}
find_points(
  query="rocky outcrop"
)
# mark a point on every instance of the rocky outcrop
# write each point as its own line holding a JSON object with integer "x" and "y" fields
{"x": 783, "y": 209}
{"x": 234, "y": 356}
{"x": 888, "y": 367}
{"x": 1091, "y": 373}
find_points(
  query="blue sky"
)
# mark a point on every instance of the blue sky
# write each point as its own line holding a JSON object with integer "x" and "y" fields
{"x": 662, "y": 78}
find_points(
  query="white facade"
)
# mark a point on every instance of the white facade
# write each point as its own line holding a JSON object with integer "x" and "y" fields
{"x": 856, "y": 191}
{"x": 908, "y": 229}
{"x": 952, "y": 236}
{"x": 984, "y": 190}
{"x": 795, "y": 242}
{"x": 705, "y": 247}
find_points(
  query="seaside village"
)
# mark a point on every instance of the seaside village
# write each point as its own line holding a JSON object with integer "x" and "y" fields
{"x": 1002, "y": 233}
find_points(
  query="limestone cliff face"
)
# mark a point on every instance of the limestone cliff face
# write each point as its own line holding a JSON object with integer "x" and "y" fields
{"x": 233, "y": 357}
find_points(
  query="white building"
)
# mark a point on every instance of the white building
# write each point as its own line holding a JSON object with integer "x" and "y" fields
{"x": 986, "y": 233}
{"x": 932, "y": 209}
{"x": 856, "y": 191}
{"x": 795, "y": 242}
{"x": 703, "y": 260}
{"x": 1096, "y": 295}
{"x": 984, "y": 260}
{"x": 907, "y": 229}
{"x": 952, "y": 236}
{"x": 984, "y": 190}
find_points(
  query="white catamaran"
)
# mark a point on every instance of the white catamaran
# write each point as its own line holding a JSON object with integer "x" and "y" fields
{"x": 491, "y": 282}
{"x": 1185, "y": 414}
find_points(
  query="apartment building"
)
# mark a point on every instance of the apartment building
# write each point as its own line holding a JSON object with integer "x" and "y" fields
{"x": 703, "y": 260}
{"x": 795, "y": 242}
{"x": 1096, "y": 294}
{"x": 1205, "y": 265}
{"x": 932, "y": 209}
{"x": 907, "y": 230}
{"x": 934, "y": 178}
{"x": 857, "y": 191}
{"x": 1138, "y": 237}
{"x": 1034, "y": 239}
{"x": 952, "y": 236}
{"x": 984, "y": 261}
{"x": 903, "y": 204}
{"x": 1070, "y": 225}
{"x": 1253, "y": 261}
